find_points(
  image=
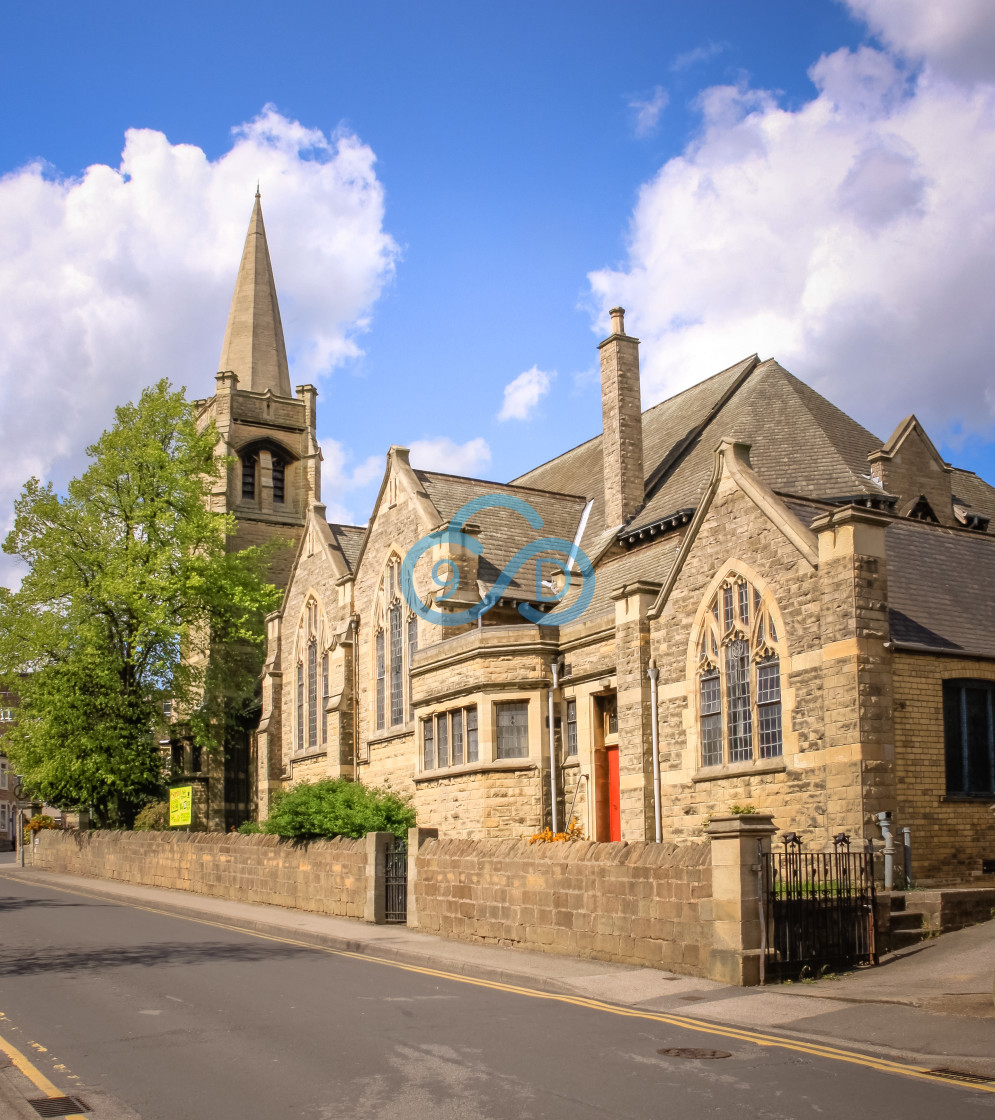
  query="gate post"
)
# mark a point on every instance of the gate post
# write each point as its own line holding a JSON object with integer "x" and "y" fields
{"x": 376, "y": 876}
{"x": 416, "y": 837}
{"x": 735, "y": 956}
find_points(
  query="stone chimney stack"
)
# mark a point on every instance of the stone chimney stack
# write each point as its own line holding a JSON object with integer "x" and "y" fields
{"x": 621, "y": 408}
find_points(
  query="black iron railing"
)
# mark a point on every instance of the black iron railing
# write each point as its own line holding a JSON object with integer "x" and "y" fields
{"x": 816, "y": 909}
{"x": 396, "y": 883}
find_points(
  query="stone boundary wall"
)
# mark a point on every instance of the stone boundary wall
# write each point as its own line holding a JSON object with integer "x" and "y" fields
{"x": 324, "y": 877}
{"x": 639, "y": 903}
{"x": 954, "y": 908}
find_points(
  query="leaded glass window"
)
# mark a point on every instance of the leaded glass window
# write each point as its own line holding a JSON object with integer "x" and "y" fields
{"x": 471, "y": 735}
{"x": 739, "y": 677}
{"x": 442, "y": 739}
{"x": 457, "y": 726}
{"x": 711, "y": 720}
{"x": 513, "y": 730}
{"x": 312, "y": 694}
{"x": 412, "y": 650}
{"x": 428, "y": 744}
{"x": 381, "y": 682}
{"x": 300, "y": 706}
{"x": 396, "y": 665}
{"x": 571, "y": 727}
{"x": 324, "y": 698}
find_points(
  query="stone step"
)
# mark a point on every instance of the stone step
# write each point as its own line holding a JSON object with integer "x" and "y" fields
{"x": 905, "y": 919}
{"x": 900, "y": 938}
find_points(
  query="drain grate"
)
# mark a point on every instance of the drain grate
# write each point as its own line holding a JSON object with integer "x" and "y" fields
{"x": 963, "y": 1075}
{"x": 58, "y": 1106}
{"x": 692, "y": 1052}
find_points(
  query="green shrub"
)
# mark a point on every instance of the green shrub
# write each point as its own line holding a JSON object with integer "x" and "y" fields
{"x": 337, "y": 807}
{"x": 153, "y": 818}
{"x": 250, "y": 828}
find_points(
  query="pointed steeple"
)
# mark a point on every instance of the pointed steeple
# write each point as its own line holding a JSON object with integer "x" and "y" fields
{"x": 254, "y": 348}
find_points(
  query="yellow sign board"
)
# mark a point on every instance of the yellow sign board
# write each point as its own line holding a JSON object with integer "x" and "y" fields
{"x": 181, "y": 805}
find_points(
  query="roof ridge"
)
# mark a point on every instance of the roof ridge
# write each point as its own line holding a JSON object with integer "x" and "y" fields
{"x": 506, "y": 485}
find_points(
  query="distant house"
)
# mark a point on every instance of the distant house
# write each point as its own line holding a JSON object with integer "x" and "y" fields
{"x": 819, "y": 605}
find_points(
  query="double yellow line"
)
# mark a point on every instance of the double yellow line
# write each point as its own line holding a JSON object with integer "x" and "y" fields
{"x": 817, "y": 1050}
{"x": 34, "y": 1074}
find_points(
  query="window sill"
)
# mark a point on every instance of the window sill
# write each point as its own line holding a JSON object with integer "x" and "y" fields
{"x": 497, "y": 764}
{"x": 739, "y": 769}
{"x": 399, "y": 731}
{"x": 968, "y": 798}
{"x": 304, "y": 756}
{"x": 571, "y": 760}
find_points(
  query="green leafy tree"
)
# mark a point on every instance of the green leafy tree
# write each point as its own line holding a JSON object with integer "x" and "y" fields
{"x": 337, "y": 807}
{"x": 129, "y": 596}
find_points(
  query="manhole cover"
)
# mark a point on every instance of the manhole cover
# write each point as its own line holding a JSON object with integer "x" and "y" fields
{"x": 692, "y": 1052}
{"x": 58, "y": 1106}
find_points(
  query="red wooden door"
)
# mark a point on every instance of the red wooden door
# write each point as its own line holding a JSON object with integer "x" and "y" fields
{"x": 614, "y": 796}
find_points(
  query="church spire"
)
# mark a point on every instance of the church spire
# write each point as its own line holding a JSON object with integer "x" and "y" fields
{"x": 254, "y": 348}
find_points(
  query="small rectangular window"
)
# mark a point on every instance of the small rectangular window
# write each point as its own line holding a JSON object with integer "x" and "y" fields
{"x": 571, "y": 727}
{"x": 471, "y": 735}
{"x": 513, "y": 730}
{"x": 278, "y": 480}
{"x": 428, "y": 745}
{"x": 969, "y": 735}
{"x": 457, "y": 721}
{"x": 4, "y": 779}
{"x": 442, "y": 738}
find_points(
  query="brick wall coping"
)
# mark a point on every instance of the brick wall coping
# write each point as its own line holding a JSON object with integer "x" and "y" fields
{"x": 573, "y": 851}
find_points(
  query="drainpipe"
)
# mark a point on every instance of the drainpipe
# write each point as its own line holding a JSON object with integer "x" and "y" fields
{"x": 555, "y": 668}
{"x": 654, "y": 675}
{"x": 907, "y": 850}
{"x": 884, "y": 823}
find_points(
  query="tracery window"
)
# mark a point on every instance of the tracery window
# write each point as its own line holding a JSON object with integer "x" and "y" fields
{"x": 396, "y": 665}
{"x": 312, "y": 694}
{"x": 381, "y": 682}
{"x": 395, "y": 644}
{"x": 324, "y": 698}
{"x": 300, "y": 705}
{"x": 739, "y": 677}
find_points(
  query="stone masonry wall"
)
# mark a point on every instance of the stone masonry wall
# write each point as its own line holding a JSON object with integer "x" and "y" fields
{"x": 324, "y": 877}
{"x": 950, "y": 835}
{"x": 642, "y": 903}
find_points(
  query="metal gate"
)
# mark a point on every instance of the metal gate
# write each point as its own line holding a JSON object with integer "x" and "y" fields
{"x": 816, "y": 909}
{"x": 396, "y": 883}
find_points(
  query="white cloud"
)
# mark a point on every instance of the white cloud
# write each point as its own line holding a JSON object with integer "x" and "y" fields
{"x": 444, "y": 455}
{"x": 703, "y": 53}
{"x": 339, "y": 479}
{"x": 647, "y": 111}
{"x": 120, "y": 276}
{"x": 956, "y": 37}
{"x": 524, "y": 393}
{"x": 852, "y": 238}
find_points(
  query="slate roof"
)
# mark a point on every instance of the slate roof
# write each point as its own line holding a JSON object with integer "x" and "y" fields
{"x": 940, "y": 585}
{"x": 801, "y": 445}
{"x": 971, "y": 491}
{"x": 348, "y": 539}
{"x": 503, "y": 531}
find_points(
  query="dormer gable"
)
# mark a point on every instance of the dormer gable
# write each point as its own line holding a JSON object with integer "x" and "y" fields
{"x": 909, "y": 468}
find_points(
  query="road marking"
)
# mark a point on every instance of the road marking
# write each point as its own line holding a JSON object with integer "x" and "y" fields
{"x": 883, "y": 1065}
{"x": 33, "y": 1073}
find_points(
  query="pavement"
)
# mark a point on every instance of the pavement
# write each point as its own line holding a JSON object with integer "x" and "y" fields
{"x": 931, "y": 1005}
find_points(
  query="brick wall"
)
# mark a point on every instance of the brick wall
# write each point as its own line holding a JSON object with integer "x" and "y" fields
{"x": 324, "y": 877}
{"x": 640, "y": 903}
{"x": 950, "y": 835}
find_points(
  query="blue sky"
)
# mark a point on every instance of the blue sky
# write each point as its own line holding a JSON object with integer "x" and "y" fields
{"x": 511, "y": 171}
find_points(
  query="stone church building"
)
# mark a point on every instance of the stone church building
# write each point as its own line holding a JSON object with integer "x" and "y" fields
{"x": 803, "y": 613}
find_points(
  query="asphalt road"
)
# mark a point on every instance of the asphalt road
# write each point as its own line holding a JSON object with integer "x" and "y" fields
{"x": 180, "y": 1020}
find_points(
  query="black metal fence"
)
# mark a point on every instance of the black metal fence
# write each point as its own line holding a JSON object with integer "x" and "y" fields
{"x": 816, "y": 909}
{"x": 396, "y": 883}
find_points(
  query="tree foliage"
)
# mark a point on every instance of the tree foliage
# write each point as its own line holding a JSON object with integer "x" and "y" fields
{"x": 338, "y": 807}
{"x": 128, "y": 588}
